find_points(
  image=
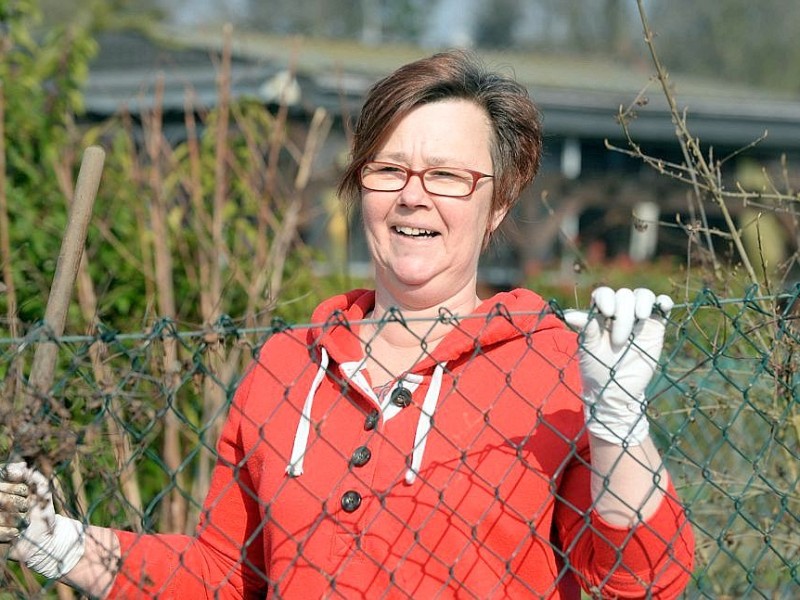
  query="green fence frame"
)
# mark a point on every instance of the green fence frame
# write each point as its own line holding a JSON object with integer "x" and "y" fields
{"x": 725, "y": 412}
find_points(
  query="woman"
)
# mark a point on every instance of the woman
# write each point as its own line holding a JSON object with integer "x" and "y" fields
{"x": 456, "y": 446}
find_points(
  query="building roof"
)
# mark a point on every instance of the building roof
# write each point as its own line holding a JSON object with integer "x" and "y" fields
{"x": 578, "y": 97}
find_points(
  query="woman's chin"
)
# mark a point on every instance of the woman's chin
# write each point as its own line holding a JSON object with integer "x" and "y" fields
{"x": 411, "y": 281}
{"x": 412, "y": 277}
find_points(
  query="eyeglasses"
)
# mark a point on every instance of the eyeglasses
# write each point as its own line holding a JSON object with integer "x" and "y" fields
{"x": 439, "y": 181}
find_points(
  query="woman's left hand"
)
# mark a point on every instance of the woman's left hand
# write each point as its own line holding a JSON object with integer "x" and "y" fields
{"x": 620, "y": 337}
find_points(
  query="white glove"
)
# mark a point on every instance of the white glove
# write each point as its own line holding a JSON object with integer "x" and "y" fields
{"x": 13, "y": 510}
{"x": 45, "y": 542}
{"x": 620, "y": 343}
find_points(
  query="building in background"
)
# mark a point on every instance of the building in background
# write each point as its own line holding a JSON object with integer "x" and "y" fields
{"x": 589, "y": 203}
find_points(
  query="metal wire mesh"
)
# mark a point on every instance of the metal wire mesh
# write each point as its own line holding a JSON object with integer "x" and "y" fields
{"x": 131, "y": 426}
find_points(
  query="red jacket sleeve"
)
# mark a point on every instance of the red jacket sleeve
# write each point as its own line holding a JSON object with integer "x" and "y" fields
{"x": 654, "y": 559}
{"x": 225, "y": 558}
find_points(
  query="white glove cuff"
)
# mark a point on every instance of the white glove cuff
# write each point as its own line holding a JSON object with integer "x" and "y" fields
{"x": 621, "y": 425}
{"x": 62, "y": 551}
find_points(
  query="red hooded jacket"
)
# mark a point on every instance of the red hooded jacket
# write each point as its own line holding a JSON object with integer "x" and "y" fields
{"x": 479, "y": 487}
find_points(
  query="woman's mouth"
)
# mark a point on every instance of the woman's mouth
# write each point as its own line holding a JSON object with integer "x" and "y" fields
{"x": 414, "y": 232}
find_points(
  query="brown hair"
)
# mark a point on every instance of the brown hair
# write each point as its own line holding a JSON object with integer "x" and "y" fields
{"x": 517, "y": 138}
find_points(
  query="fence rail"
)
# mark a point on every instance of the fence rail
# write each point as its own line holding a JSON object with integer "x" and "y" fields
{"x": 131, "y": 425}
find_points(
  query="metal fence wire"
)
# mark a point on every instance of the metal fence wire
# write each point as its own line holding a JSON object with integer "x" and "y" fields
{"x": 130, "y": 429}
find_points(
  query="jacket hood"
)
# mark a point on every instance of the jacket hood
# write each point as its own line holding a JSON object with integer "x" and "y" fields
{"x": 504, "y": 316}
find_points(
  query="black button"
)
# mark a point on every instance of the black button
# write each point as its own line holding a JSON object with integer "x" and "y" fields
{"x": 372, "y": 420}
{"x": 351, "y": 501}
{"x": 361, "y": 456}
{"x": 401, "y": 397}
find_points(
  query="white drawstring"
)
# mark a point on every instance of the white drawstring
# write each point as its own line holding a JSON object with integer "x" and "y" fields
{"x": 425, "y": 423}
{"x": 295, "y": 466}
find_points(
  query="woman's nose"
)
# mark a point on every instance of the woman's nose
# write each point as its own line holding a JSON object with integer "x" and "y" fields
{"x": 414, "y": 194}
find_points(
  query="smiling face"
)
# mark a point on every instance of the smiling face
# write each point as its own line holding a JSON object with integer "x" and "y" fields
{"x": 425, "y": 247}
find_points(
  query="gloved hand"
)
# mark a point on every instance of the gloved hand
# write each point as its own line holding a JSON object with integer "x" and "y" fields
{"x": 13, "y": 509}
{"x": 620, "y": 342}
{"x": 48, "y": 543}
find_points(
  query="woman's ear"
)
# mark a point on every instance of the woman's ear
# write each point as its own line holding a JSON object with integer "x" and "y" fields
{"x": 496, "y": 218}
{"x": 494, "y": 222}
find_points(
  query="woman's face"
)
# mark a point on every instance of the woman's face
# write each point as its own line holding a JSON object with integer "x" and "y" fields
{"x": 426, "y": 247}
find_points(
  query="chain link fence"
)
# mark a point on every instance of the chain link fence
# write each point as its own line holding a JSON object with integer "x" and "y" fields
{"x": 131, "y": 426}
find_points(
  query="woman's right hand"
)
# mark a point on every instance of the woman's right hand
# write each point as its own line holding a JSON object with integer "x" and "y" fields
{"x": 48, "y": 543}
{"x": 13, "y": 507}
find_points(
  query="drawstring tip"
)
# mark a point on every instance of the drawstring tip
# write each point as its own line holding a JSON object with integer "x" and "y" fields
{"x": 411, "y": 476}
{"x": 294, "y": 470}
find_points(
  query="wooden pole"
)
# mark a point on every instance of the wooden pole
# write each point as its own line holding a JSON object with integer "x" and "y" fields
{"x": 27, "y": 434}
{"x": 69, "y": 259}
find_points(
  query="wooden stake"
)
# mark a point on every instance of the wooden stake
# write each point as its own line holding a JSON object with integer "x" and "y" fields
{"x": 69, "y": 258}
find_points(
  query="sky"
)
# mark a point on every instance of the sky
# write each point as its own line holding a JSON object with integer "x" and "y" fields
{"x": 450, "y": 22}
{"x": 195, "y": 12}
